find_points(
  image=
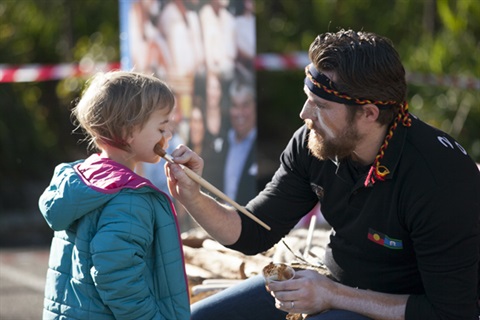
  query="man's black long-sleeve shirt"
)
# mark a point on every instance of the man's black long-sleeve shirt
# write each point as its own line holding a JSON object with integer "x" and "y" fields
{"x": 415, "y": 233}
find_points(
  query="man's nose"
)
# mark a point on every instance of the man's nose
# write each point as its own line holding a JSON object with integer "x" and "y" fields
{"x": 307, "y": 111}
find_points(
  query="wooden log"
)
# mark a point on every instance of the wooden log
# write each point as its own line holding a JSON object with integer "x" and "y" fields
{"x": 221, "y": 265}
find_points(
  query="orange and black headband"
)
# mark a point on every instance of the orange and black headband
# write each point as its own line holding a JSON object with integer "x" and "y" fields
{"x": 320, "y": 85}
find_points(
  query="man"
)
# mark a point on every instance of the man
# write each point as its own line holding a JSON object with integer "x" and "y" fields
{"x": 239, "y": 178}
{"x": 402, "y": 199}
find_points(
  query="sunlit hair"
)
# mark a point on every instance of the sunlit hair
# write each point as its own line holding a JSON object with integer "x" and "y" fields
{"x": 116, "y": 103}
{"x": 366, "y": 66}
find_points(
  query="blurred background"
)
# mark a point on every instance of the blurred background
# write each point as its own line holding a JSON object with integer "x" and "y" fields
{"x": 438, "y": 41}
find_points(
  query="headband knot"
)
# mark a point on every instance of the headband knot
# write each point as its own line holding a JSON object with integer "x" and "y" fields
{"x": 379, "y": 172}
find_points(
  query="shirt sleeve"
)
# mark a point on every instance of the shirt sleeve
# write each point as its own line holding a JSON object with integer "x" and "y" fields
{"x": 444, "y": 225}
{"x": 119, "y": 248}
{"x": 283, "y": 202}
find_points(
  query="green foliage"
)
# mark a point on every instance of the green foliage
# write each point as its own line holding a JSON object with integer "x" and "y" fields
{"x": 35, "y": 122}
{"x": 436, "y": 37}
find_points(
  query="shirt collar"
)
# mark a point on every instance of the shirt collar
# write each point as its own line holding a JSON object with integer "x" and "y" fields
{"x": 394, "y": 151}
{"x": 249, "y": 138}
{"x": 390, "y": 159}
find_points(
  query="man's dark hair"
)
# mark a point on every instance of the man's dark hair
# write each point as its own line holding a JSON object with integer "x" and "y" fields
{"x": 366, "y": 65}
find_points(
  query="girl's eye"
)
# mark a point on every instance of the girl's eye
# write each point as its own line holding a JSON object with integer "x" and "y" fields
{"x": 162, "y": 131}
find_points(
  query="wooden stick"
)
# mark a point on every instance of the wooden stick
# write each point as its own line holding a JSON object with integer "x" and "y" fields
{"x": 204, "y": 183}
{"x": 311, "y": 229}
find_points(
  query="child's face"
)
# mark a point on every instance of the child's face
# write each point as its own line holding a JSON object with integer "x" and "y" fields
{"x": 157, "y": 129}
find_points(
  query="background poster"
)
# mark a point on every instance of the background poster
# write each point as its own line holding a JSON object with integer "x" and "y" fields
{"x": 204, "y": 49}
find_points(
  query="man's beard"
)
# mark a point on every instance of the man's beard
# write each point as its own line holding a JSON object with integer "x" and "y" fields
{"x": 337, "y": 148}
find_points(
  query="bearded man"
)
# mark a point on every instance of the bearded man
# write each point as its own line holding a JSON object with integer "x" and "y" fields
{"x": 401, "y": 196}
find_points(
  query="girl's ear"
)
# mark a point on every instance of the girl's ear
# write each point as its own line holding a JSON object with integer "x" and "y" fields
{"x": 128, "y": 137}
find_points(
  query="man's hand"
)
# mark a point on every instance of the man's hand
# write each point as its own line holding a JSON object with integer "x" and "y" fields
{"x": 310, "y": 293}
{"x": 181, "y": 187}
{"x": 220, "y": 221}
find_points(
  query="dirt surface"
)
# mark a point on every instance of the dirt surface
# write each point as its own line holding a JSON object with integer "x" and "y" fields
{"x": 22, "y": 280}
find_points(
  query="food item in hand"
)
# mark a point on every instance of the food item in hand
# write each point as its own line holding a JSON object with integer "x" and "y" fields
{"x": 277, "y": 272}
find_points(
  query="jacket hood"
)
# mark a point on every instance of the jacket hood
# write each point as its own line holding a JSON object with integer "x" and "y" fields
{"x": 80, "y": 187}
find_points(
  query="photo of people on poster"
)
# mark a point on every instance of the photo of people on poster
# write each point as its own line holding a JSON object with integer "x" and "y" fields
{"x": 204, "y": 50}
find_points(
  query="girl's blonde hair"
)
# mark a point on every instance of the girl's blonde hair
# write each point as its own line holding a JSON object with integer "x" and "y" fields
{"x": 118, "y": 102}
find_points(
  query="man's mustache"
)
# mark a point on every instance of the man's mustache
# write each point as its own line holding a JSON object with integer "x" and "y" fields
{"x": 309, "y": 123}
{"x": 311, "y": 126}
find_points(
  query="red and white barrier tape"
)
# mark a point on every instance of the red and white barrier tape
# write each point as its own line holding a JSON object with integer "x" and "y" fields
{"x": 37, "y": 72}
{"x": 278, "y": 62}
{"x": 460, "y": 82}
{"x": 264, "y": 61}
{"x": 298, "y": 60}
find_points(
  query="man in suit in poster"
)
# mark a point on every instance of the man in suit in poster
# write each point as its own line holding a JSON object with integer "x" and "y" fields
{"x": 240, "y": 171}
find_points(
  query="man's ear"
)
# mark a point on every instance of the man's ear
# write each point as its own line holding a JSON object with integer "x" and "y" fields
{"x": 370, "y": 112}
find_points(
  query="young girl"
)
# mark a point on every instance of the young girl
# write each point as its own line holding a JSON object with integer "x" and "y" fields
{"x": 116, "y": 252}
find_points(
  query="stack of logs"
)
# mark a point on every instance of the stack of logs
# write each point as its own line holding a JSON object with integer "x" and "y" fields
{"x": 211, "y": 267}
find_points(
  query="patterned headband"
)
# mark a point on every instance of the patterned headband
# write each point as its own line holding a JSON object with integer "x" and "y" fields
{"x": 320, "y": 85}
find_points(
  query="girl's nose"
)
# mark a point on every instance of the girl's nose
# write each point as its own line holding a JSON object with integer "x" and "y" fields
{"x": 167, "y": 135}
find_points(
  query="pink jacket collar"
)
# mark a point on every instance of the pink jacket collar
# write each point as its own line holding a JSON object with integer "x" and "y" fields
{"x": 108, "y": 176}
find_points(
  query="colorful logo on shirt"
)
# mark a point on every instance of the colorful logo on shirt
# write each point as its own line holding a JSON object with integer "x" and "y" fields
{"x": 384, "y": 240}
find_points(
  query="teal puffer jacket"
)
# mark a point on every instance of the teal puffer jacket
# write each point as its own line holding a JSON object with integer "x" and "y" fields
{"x": 116, "y": 251}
